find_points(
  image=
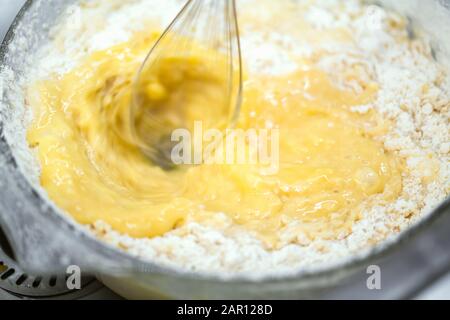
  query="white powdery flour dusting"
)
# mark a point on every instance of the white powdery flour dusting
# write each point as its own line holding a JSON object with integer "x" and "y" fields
{"x": 414, "y": 94}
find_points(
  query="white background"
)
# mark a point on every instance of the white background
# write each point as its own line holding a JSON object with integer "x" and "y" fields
{"x": 8, "y": 10}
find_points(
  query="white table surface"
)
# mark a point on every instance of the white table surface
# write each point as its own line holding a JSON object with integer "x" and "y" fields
{"x": 8, "y": 10}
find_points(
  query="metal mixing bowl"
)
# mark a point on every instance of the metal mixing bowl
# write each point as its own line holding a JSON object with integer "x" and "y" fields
{"x": 46, "y": 240}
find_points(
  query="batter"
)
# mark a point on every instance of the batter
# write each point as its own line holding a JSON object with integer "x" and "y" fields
{"x": 331, "y": 160}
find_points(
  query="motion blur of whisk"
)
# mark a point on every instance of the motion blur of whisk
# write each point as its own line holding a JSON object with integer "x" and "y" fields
{"x": 203, "y": 28}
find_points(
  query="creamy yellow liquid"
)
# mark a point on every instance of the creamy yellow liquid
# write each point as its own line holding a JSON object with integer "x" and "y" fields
{"x": 330, "y": 160}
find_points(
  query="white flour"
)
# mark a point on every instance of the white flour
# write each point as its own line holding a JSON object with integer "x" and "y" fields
{"x": 414, "y": 94}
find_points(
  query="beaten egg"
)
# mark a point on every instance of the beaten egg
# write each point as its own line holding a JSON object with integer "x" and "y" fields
{"x": 331, "y": 161}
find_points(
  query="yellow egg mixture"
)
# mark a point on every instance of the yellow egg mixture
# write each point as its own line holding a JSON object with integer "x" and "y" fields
{"x": 331, "y": 162}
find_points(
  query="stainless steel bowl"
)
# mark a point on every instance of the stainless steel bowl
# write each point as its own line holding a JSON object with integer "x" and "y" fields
{"x": 45, "y": 240}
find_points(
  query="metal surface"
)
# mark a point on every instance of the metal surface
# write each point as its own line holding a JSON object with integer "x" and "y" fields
{"x": 17, "y": 284}
{"x": 27, "y": 218}
{"x": 439, "y": 290}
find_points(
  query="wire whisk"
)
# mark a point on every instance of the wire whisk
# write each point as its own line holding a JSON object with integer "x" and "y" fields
{"x": 202, "y": 45}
